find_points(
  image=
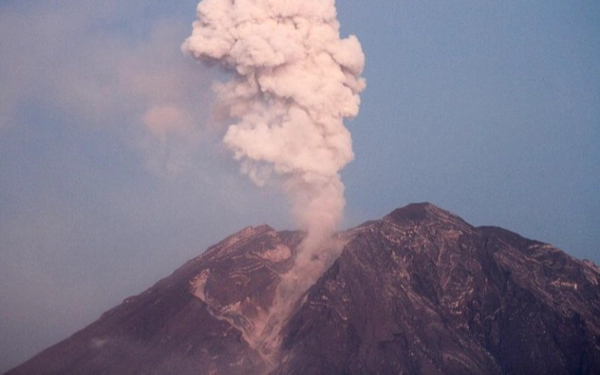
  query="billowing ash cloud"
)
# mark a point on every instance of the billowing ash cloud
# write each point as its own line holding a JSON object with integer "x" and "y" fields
{"x": 294, "y": 81}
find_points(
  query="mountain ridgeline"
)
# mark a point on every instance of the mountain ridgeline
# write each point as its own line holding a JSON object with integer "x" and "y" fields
{"x": 419, "y": 291}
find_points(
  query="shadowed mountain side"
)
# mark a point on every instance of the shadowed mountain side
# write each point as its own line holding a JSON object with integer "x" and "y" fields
{"x": 419, "y": 291}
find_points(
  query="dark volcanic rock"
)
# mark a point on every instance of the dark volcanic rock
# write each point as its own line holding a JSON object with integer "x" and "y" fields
{"x": 419, "y": 291}
{"x": 175, "y": 328}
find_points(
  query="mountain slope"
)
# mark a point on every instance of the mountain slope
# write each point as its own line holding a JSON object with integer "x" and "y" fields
{"x": 419, "y": 291}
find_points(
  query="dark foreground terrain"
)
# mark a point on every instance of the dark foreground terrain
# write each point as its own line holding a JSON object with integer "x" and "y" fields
{"x": 418, "y": 292}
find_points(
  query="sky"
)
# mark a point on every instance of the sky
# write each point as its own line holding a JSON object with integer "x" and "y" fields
{"x": 113, "y": 173}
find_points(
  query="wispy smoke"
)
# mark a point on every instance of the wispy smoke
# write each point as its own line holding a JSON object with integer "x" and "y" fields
{"x": 293, "y": 82}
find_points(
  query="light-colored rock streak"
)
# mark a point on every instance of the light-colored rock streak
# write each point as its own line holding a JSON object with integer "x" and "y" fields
{"x": 260, "y": 327}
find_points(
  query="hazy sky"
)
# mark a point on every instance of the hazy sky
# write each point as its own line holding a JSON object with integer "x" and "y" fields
{"x": 112, "y": 173}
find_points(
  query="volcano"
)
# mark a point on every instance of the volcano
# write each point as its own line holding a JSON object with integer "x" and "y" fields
{"x": 419, "y": 291}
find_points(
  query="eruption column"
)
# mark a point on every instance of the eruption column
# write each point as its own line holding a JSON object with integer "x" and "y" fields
{"x": 293, "y": 82}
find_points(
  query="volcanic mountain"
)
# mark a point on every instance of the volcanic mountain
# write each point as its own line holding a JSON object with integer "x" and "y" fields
{"x": 419, "y": 291}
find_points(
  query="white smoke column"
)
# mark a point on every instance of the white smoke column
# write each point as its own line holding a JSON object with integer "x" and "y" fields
{"x": 294, "y": 81}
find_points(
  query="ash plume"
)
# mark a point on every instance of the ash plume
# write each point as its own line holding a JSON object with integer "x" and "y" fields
{"x": 293, "y": 81}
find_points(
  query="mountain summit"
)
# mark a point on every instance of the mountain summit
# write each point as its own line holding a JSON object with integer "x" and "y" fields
{"x": 419, "y": 291}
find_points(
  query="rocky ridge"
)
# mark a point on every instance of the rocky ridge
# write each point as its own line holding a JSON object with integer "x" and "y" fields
{"x": 418, "y": 291}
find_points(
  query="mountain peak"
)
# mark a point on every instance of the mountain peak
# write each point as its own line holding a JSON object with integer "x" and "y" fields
{"x": 419, "y": 291}
{"x": 416, "y": 212}
{"x": 425, "y": 211}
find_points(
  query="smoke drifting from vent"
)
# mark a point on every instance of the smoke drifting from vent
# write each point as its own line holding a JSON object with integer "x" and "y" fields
{"x": 293, "y": 82}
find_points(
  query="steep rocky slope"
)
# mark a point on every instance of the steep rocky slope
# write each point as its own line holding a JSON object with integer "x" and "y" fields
{"x": 419, "y": 291}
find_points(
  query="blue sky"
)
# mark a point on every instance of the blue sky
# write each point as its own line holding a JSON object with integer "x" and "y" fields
{"x": 112, "y": 173}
